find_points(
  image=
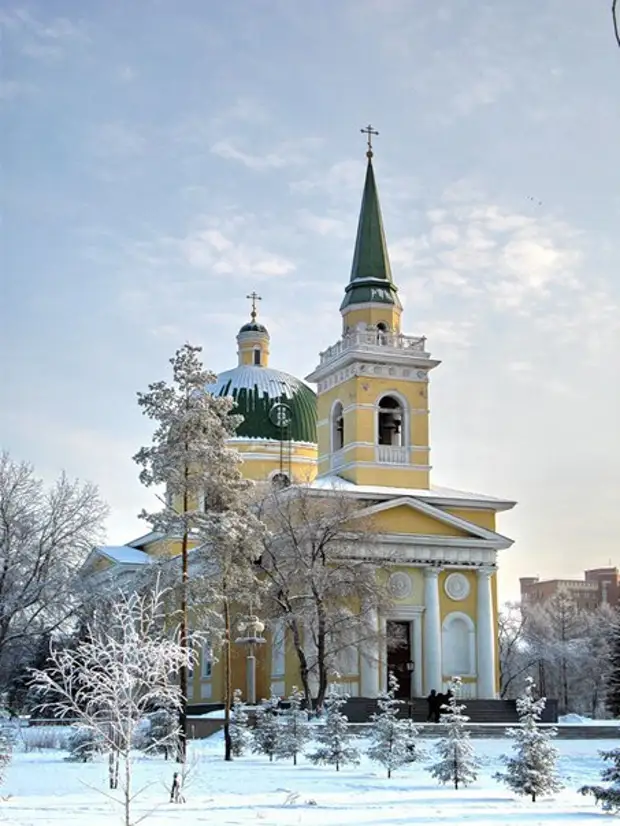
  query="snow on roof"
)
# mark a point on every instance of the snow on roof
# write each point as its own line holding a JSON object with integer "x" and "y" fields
{"x": 333, "y": 482}
{"x": 124, "y": 554}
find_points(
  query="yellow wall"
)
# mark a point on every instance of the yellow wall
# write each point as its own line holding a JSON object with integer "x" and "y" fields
{"x": 482, "y": 518}
{"x": 371, "y": 316}
{"x": 248, "y": 342}
{"x": 360, "y": 428}
{"x": 406, "y": 520}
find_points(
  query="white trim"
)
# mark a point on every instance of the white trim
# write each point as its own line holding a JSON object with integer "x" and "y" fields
{"x": 378, "y": 465}
{"x": 261, "y": 457}
{"x": 352, "y": 445}
{"x": 471, "y": 642}
{"x": 413, "y": 614}
{"x": 405, "y": 435}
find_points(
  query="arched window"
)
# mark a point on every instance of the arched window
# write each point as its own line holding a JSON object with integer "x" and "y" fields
{"x": 458, "y": 645}
{"x": 337, "y": 427}
{"x": 382, "y": 332}
{"x": 390, "y": 422}
{"x": 257, "y": 356}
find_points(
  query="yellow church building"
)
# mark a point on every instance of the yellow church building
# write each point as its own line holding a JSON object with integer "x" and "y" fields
{"x": 365, "y": 434}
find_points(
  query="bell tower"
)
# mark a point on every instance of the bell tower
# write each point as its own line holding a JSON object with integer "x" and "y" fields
{"x": 372, "y": 384}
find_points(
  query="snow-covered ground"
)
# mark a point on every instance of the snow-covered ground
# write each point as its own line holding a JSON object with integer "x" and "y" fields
{"x": 42, "y": 789}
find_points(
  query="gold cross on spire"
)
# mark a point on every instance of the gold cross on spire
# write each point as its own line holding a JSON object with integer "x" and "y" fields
{"x": 254, "y": 297}
{"x": 369, "y": 132}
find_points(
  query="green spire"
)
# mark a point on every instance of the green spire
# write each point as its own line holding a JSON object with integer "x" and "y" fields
{"x": 371, "y": 276}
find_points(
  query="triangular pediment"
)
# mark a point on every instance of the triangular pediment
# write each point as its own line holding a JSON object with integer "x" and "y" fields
{"x": 410, "y": 516}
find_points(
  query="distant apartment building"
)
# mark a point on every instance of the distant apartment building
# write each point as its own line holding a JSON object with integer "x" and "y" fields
{"x": 599, "y": 586}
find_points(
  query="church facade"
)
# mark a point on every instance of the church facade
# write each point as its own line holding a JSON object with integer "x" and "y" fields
{"x": 365, "y": 434}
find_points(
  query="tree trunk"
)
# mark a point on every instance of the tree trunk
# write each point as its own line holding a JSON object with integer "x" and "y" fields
{"x": 127, "y": 789}
{"x": 303, "y": 663}
{"x": 320, "y": 653}
{"x": 227, "y": 682}
{"x": 184, "y": 638}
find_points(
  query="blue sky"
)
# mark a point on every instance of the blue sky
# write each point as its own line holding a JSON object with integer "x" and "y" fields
{"x": 162, "y": 159}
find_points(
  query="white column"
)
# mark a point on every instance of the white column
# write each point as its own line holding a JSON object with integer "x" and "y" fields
{"x": 369, "y": 659}
{"x": 432, "y": 631}
{"x": 485, "y": 635}
{"x": 417, "y": 656}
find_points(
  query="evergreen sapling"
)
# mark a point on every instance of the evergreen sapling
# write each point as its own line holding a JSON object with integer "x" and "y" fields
{"x": 333, "y": 735}
{"x": 532, "y": 770}
{"x": 239, "y": 726}
{"x": 294, "y": 731}
{"x": 607, "y": 796}
{"x": 393, "y": 740}
{"x": 266, "y": 730}
{"x": 457, "y": 763}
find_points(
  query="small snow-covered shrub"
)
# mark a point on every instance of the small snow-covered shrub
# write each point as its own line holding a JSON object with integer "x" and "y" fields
{"x": 294, "y": 732}
{"x": 267, "y": 727}
{"x": 83, "y": 744}
{"x": 158, "y": 733}
{"x": 607, "y": 796}
{"x": 457, "y": 763}
{"x": 333, "y": 735}
{"x": 239, "y": 726}
{"x": 40, "y": 738}
{"x": 392, "y": 740}
{"x": 532, "y": 769}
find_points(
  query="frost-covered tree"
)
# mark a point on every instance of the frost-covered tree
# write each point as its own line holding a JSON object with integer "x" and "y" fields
{"x": 321, "y": 579}
{"x": 609, "y": 795}
{"x": 266, "y": 727}
{"x": 516, "y": 657}
{"x": 294, "y": 731}
{"x": 392, "y": 739}
{"x": 160, "y": 732}
{"x": 613, "y": 693}
{"x": 207, "y": 505}
{"x": 111, "y": 680}
{"x": 532, "y": 769}
{"x": 333, "y": 736}
{"x": 457, "y": 763}
{"x": 6, "y": 741}
{"x": 46, "y": 533}
{"x": 240, "y": 734}
{"x": 84, "y": 744}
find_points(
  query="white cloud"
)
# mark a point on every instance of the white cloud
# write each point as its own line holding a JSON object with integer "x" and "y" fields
{"x": 283, "y": 155}
{"x": 42, "y": 39}
{"x": 323, "y": 224}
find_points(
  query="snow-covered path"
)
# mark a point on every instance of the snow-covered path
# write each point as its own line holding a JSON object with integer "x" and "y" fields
{"x": 45, "y": 790}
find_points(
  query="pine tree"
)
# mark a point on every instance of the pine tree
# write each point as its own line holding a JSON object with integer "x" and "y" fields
{"x": 239, "y": 727}
{"x": 607, "y": 796}
{"x": 457, "y": 762}
{"x": 334, "y": 736}
{"x": 266, "y": 730}
{"x": 532, "y": 771}
{"x": 393, "y": 740}
{"x": 161, "y": 733}
{"x": 294, "y": 731}
{"x": 83, "y": 744}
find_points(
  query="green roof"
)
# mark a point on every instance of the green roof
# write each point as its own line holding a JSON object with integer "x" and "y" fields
{"x": 371, "y": 275}
{"x": 256, "y": 390}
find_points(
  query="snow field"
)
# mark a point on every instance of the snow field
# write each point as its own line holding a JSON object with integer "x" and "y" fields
{"x": 44, "y": 790}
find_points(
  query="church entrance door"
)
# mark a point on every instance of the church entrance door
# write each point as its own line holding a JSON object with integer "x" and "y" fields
{"x": 399, "y": 655}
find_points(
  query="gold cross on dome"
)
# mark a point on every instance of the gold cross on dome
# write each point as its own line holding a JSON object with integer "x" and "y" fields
{"x": 369, "y": 132}
{"x": 254, "y": 297}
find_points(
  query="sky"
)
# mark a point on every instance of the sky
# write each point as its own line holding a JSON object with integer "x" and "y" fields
{"x": 163, "y": 158}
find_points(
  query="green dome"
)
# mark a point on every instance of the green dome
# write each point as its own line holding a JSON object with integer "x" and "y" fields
{"x": 256, "y": 390}
{"x": 253, "y": 327}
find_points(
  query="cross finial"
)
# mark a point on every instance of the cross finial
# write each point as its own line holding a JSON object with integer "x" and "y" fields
{"x": 369, "y": 132}
{"x": 254, "y": 297}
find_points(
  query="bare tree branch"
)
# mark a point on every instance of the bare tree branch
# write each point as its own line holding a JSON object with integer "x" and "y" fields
{"x": 616, "y": 21}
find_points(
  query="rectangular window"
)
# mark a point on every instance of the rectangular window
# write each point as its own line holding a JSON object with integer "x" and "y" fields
{"x": 207, "y": 661}
{"x": 257, "y": 357}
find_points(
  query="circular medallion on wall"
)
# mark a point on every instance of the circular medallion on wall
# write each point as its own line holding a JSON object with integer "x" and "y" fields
{"x": 457, "y": 586}
{"x": 400, "y": 585}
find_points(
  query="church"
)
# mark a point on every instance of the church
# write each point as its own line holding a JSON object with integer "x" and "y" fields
{"x": 364, "y": 431}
